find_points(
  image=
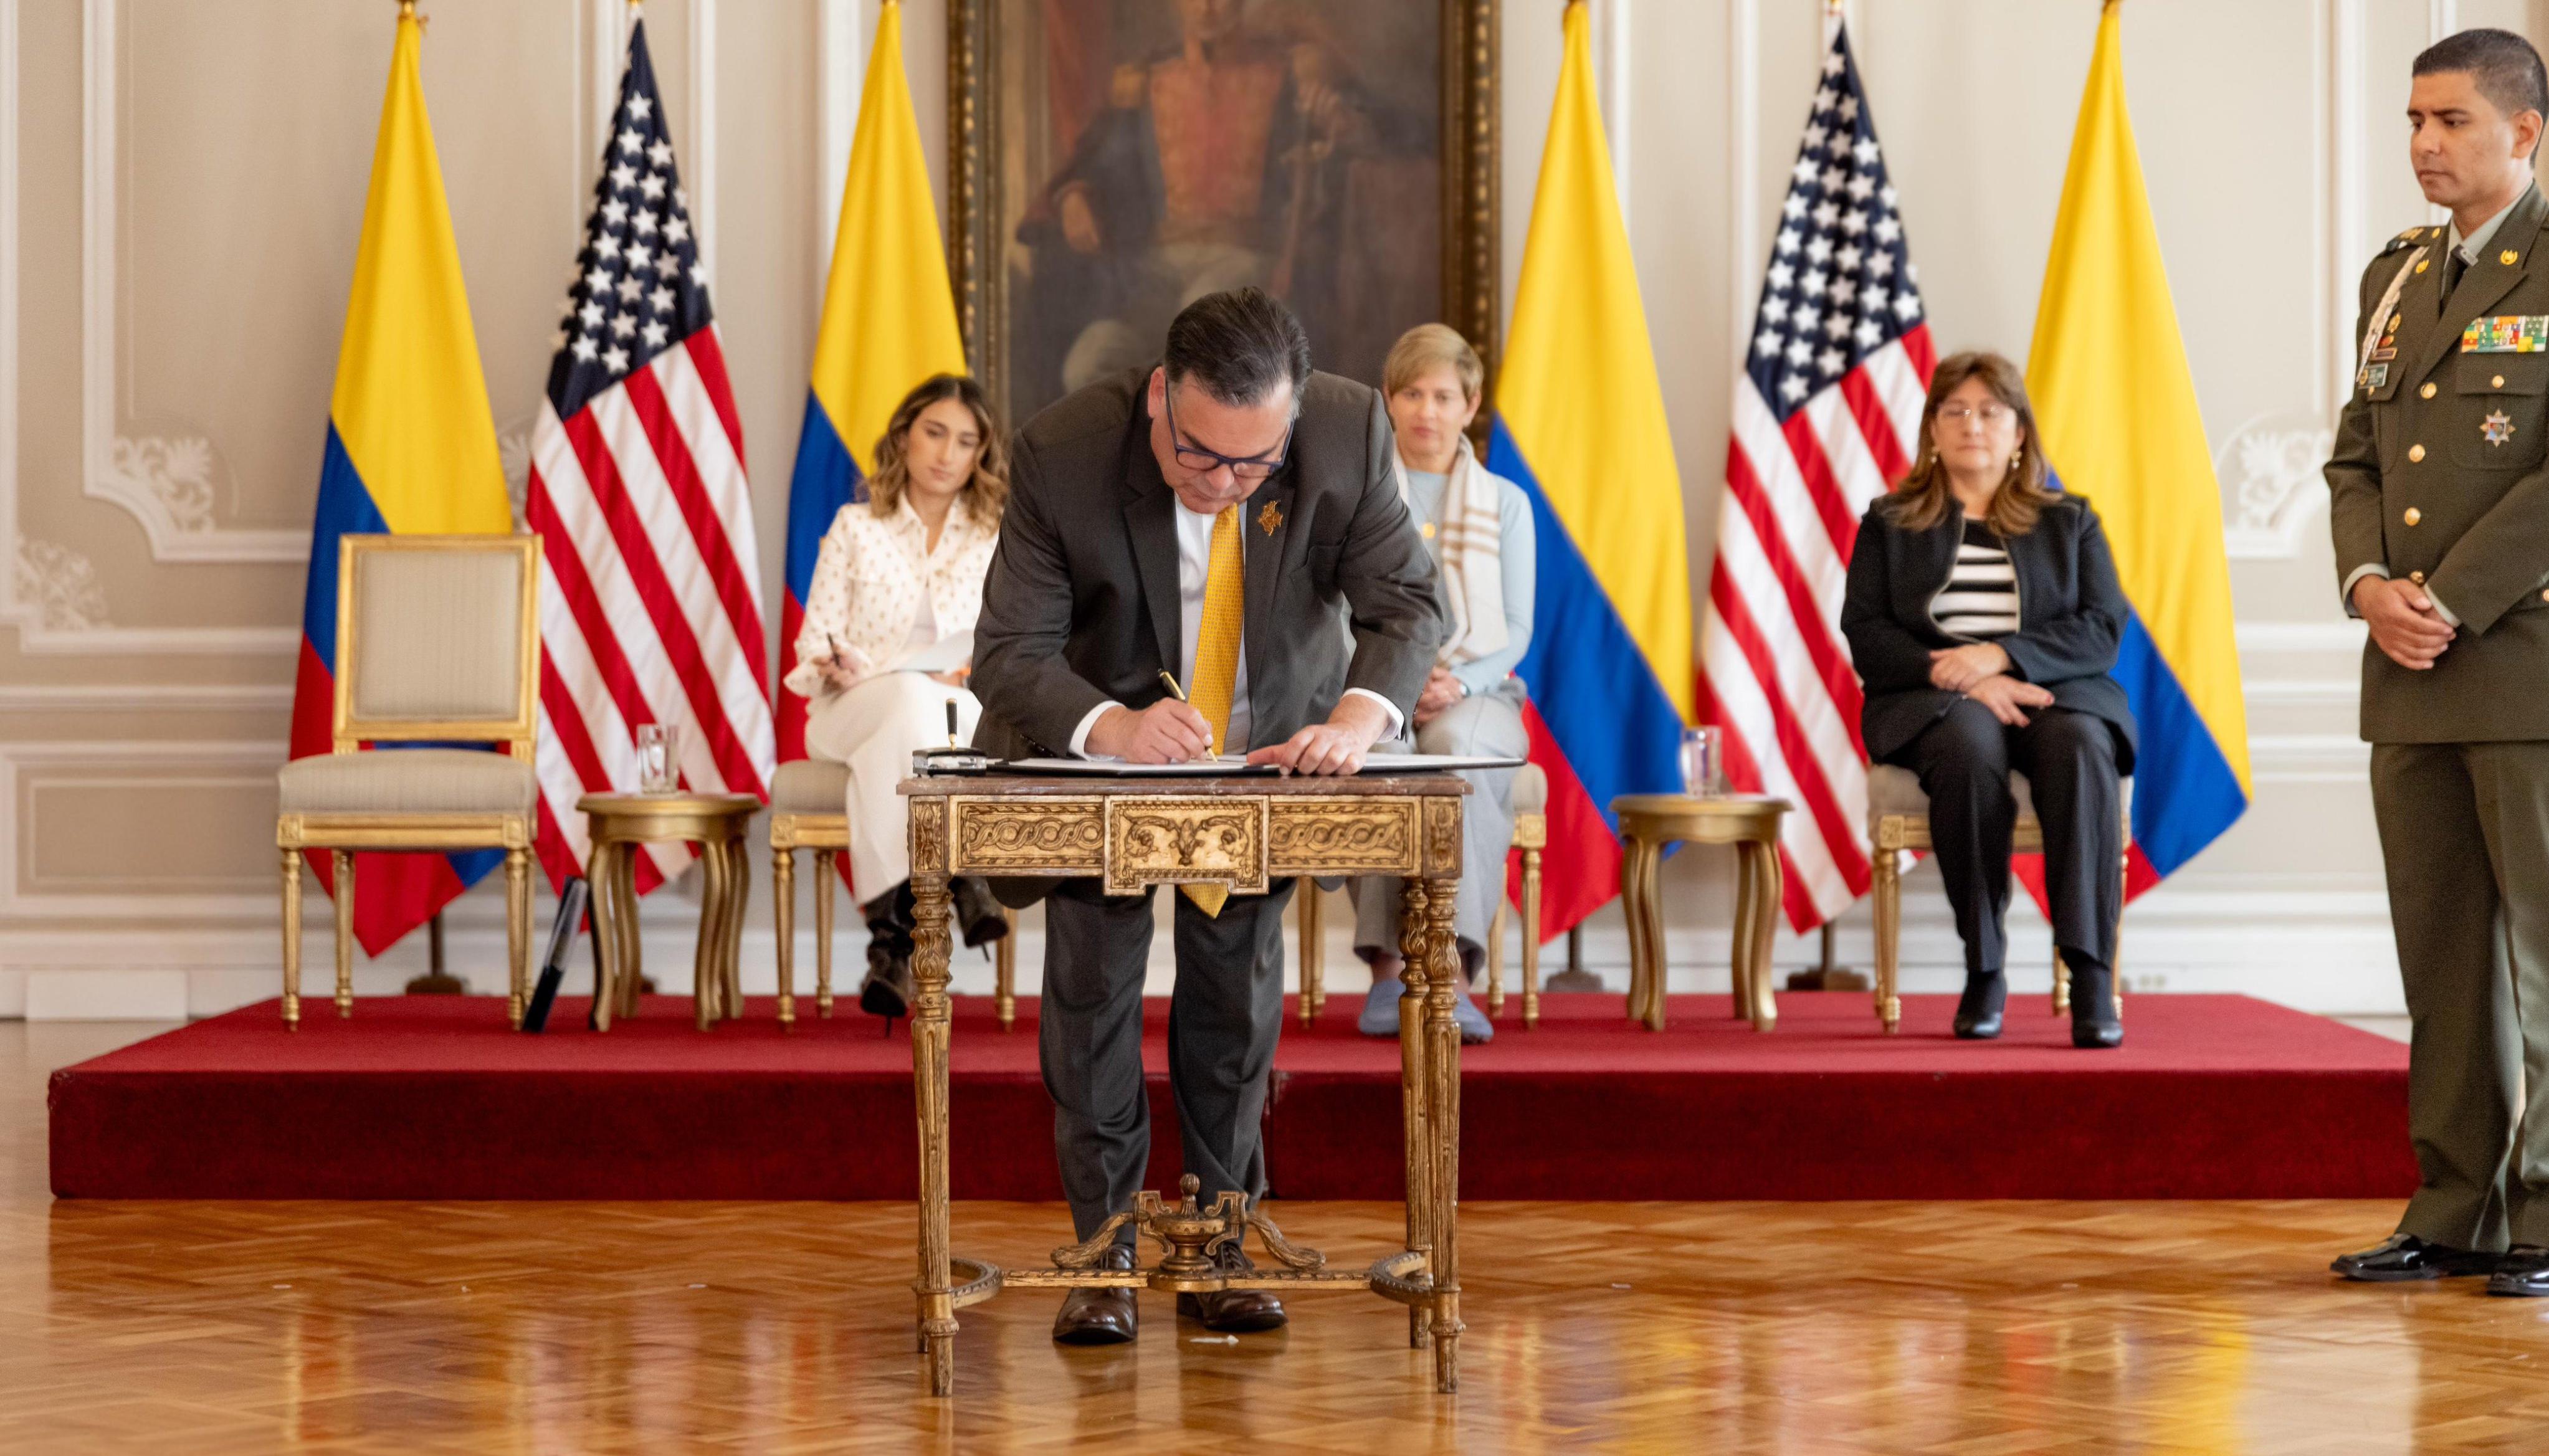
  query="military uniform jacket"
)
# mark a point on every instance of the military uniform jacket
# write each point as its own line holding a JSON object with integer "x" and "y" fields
{"x": 2440, "y": 475}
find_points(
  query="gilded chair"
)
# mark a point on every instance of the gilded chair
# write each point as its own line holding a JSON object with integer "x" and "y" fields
{"x": 1898, "y": 819}
{"x": 808, "y": 810}
{"x": 437, "y": 642}
{"x": 1529, "y": 796}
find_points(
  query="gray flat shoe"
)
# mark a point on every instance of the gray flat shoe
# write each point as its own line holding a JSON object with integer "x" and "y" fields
{"x": 1380, "y": 1013}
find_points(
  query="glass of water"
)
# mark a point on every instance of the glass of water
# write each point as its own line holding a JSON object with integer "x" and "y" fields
{"x": 658, "y": 756}
{"x": 1702, "y": 762}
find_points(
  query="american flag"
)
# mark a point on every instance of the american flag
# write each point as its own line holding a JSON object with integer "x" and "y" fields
{"x": 1826, "y": 417}
{"x": 651, "y": 593}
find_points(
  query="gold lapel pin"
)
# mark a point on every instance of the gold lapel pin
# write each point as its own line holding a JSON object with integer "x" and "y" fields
{"x": 2421, "y": 265}
{"x": 1270, "y": 518}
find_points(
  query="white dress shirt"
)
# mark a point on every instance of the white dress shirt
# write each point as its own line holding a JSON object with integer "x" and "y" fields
{"x": 1195, "y": 562}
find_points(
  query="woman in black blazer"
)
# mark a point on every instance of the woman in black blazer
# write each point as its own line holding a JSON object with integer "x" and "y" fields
{"x": 1983, "y": 613}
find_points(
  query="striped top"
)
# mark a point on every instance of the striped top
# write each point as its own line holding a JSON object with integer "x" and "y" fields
{"x": 1980, "y": 601}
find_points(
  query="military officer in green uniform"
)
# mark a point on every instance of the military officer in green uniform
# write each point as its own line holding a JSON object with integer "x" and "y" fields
{"x": 2439, "y": 505}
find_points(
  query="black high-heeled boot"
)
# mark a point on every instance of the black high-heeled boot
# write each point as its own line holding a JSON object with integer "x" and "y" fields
{"x": 2094, "y": 1022}
{"x": 978, "y": 914}
{"x": 1978, "y": 1011}
{"x": 887, "y": 990}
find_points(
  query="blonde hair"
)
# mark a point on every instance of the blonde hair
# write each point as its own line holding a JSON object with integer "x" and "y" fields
{"x": 1920, "y": 500}
{"x": 1426, "y": 347}
{"x": 987, "y": 493}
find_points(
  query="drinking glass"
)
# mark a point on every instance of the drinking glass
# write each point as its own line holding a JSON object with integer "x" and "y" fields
{"x": 1702, "y": 762}
{"x": 658, "y": 755}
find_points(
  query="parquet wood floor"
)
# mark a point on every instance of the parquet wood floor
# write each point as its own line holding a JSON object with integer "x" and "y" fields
{"x": 1983, "y": 1330}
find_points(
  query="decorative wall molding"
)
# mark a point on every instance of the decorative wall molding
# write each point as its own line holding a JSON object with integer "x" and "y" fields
{"x": 198, "y": 762}
{"x": 58, "y": 586}
{"x": 2272, "y": 490}
{"x": 144, "y": 697}
{"x": 176, "y": 511}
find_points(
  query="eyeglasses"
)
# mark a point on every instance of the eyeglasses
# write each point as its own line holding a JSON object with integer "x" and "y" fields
{"x": 1987, "y": 416}
{"x": 1197, "y": 457}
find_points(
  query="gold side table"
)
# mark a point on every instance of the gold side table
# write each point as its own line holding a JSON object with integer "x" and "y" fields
{"x": 1751, "y": 823}
{"x": 1248, "y": 833}
{"x": 713, "y": 822}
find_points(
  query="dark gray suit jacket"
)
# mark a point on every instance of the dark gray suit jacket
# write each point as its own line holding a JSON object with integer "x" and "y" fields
{"x": 1080, "y": 606}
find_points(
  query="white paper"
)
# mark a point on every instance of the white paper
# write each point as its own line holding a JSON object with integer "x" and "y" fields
{"x": 945, "y": 655}
{"x": 1227, "y": 764}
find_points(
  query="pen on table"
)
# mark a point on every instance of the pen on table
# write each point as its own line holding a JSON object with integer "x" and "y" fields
{"x": 951, "y": 724}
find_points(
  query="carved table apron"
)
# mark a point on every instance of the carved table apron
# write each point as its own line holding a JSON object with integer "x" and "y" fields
{"x": 1245, "y": 833}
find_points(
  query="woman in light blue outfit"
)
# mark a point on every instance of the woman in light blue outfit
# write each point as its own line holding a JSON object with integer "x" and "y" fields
{"x": 1478, "y": 526}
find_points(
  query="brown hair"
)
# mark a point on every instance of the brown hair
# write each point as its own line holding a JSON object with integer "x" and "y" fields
{"x": 1426, "y": 347}
{"x": 987, "y": 493}
{"x": 1921, "y": 498}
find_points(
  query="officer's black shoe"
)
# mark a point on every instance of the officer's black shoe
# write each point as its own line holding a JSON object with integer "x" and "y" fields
{"x": 2521, "y": 1272}
{"x": 1978, "y": 1011}
{"x": 2094, "y": 1022}
{"x": 2402, "y": 1257}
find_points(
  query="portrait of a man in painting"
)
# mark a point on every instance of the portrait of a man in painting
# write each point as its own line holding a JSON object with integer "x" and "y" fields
{"x": 1156, "y": 150}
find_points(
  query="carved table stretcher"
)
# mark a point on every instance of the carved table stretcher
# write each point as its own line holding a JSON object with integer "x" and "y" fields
{"x": 1245, "y": 833}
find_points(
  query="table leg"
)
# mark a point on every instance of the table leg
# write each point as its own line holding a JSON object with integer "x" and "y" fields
{"x": 1644, "y": 913}
{"x": 1630, "y": 847}
{"x": 1005, "y": 974}
{"x": 605, "y": 934}
{"x": 739, "y": 903}
{"x": 929, "y": 1033}
{"x": 1496, "y": 960}
{"x": 824, "y": 877}
{"x": 1766, "y": 884}
{"x": 1415, "y": 948}
{"x": 631, "y": 976}
{"x": 782, "y": 890}
{"x": 1314, "y": 979}
{"x": 1739, "y": 956}
{"x": 708, "y": 981}
{"x": 1443, "y": 1071}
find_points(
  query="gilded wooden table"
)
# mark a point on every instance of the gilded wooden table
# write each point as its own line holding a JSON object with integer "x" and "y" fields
{"x": 1245, "y": 834}
{"x": 715, "y": 824}
{"x": 1751, "y": 823}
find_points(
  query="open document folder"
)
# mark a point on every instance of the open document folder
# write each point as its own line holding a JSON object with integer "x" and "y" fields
{"x": 1226, "y": 765}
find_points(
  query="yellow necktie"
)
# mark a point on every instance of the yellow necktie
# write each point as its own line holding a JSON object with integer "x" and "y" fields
{"x": 1216, "y": 660}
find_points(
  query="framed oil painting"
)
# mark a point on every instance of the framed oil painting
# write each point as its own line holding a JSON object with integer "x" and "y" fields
{"x": 1114, "y": 159}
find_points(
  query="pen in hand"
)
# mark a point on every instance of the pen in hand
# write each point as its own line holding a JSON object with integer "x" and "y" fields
{"x": 1179, "y": 694}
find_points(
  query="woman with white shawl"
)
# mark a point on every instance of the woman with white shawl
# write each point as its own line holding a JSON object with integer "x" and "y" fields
{"x": 1478, "y": 526}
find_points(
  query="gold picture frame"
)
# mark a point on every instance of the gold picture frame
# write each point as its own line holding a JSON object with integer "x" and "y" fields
{"x": 991, "y": 92}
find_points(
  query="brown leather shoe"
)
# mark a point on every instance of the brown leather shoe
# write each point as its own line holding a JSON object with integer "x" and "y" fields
{"x": 1234, "y": 1310}
{"x": 1100, "y": 1316}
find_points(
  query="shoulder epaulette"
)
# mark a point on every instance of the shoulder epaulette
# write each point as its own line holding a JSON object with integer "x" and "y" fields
{"x": 2413, "y": 236}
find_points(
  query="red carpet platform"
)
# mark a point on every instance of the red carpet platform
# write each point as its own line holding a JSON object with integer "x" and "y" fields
{"x": 431, "y": 1098}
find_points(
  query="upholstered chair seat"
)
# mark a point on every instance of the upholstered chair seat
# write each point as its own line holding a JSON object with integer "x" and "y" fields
{"x": 810, "y": 786}
{"x": 416, "y": 780}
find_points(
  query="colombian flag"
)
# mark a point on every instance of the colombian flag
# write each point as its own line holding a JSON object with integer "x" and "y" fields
{"x": 1579, "y": 424}
{"x": 411, "y": 448}
{"x": 2117, "y": 408}
{"x": 889, "y": 322}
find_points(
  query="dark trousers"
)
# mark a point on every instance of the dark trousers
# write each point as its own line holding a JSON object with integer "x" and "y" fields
{"x": 1224, "y": 1016}
{"x": 2069, "y": 760}
{"x": 2465, "y": 842}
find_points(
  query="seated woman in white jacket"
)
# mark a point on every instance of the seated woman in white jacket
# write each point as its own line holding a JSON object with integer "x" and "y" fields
{"x": 1479, "y": 530}
{"x": 887, "y": 645}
